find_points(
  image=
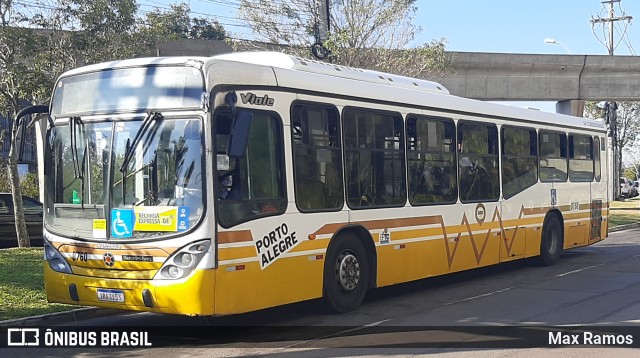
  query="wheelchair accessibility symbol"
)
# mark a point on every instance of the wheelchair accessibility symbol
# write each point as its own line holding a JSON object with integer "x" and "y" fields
{"x": 121, "y": 223}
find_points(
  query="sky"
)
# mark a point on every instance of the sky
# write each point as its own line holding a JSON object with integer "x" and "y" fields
{"x": 503, "y": 26}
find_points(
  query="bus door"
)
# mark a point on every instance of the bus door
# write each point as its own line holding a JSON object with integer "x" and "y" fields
{"x": 513, "y": 236}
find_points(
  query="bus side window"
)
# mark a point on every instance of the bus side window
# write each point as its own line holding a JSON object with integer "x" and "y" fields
{"x": 596, "y": 158}
{"x": 519, "y": 159}
{"x": 478, "y": 161}
{"x": 254, "y": 185}
{"x": 580, "y": 158}
{"x": 316, "y": 157}
{"x": 553, "y": 156}
{"x": 374, "y": 158}
{"x": 431, "y": 157}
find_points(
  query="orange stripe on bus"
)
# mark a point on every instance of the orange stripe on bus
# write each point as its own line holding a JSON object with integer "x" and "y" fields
{"x": 381, "y": 224}
{"x": 229, "y": 237}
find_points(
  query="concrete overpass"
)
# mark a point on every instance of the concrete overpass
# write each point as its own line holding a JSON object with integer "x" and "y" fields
{"x": 568, "y": 79}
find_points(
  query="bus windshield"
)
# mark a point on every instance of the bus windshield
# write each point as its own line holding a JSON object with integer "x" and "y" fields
{"x": 91, "y": 194}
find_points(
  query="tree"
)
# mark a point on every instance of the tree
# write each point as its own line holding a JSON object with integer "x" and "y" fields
{"x": 176, "y": 23}
{"x": 25, "y": 67}
{"x": 42, "y": 39}
{"x": 632, "y": 162}
{"x": 627, "y": 126}
{"x": 373, "y": 34}
{"x": 106, "y": 30}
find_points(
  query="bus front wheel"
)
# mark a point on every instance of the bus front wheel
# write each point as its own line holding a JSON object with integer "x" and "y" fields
{"x": 551, "y": 243}
{"x": 346, "y": 274}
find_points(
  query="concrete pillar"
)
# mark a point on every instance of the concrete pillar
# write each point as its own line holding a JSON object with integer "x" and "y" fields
{"x": 572, "y": 107}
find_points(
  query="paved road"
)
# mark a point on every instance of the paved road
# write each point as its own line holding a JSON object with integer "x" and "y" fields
{"x": 597, "y": 286}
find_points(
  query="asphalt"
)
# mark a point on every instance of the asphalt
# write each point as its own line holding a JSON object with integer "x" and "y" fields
{"x": 75, "y": 315}
{"x": 94, "y": 312}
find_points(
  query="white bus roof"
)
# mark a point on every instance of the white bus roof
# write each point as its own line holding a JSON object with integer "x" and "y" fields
{"x": 295, "y": 72}
{"x": 284, "y": 61}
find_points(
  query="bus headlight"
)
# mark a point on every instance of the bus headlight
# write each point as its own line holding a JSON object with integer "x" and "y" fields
{"x": 55, "y": 259}
{"x": 183, "y": 261}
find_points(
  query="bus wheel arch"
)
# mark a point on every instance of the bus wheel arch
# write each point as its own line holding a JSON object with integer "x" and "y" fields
{"x": 552, "y": 240}
{"x": 348, "y": 269}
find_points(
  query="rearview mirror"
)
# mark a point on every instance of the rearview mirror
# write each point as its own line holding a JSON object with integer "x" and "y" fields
{"x": 239, "y": 134}
{"x": 22, "y": 126}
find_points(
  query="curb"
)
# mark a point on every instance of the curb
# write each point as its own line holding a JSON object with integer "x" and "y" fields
{"x": 61, "y": 317}
{"x": 624, "y": 227}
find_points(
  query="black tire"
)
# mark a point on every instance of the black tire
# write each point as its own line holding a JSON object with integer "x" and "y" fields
{"x": 552, "y": 241}
{"x": 346, "y": 274}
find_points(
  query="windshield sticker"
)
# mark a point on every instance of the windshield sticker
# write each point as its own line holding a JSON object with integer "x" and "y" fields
{"x": 156, "y": 218}
{"x": 121, "y": 223}
{"x": 99, "y": 228}
{"x": 272, "y": 245}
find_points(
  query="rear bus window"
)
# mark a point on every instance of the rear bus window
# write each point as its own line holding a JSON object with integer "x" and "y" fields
{"x": 580, "y": 158}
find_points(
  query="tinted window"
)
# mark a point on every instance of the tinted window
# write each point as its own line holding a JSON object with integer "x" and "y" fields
{"x": 519, "y": 160}
{"x": 317, "y": 159}
{"x": 553, "y": 157}
{"x": 253, "y": 185}
{"x": 580, "y": 158}
{"x": 596, "y": 158}
{"x": 478, "y": 161}
{"x": 431, "y": 158}
{"x": 374, "y": 158}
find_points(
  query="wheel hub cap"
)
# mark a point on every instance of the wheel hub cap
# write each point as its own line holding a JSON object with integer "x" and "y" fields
{"x": 348, "y": 271}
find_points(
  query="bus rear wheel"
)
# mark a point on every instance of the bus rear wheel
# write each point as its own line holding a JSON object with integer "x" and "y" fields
{"x": 551, "y": 243}
{"x": 346, "y": 274}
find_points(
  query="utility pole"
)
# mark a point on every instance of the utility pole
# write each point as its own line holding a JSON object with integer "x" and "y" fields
{"x": 611, "y": 106}
{"x": 318, "y": 49}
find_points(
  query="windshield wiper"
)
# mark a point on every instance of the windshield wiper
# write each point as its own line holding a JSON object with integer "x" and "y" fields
{"x": 154, "y": 118}
{"x": 73, "y": 123}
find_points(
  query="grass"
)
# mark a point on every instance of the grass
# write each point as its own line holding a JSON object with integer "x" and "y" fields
{"x": 624, "y": 212}
{"x": 633, "y": 203}
{"x": 22, "y": 284}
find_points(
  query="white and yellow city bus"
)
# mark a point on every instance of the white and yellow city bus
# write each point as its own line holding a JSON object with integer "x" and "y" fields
{"x": 212, "y": 186}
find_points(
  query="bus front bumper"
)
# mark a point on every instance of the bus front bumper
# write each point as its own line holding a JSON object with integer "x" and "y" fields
{"x": 190, "y": 296}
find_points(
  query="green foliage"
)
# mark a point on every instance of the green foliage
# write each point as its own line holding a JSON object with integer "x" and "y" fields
{"x": 28, "y": 183}
{"x": 627, "y": 130}
{"x": 630, "y": 174}
{"x": 177, "y": 24}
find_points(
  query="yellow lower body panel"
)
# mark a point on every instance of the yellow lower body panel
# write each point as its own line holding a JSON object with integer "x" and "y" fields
{"x": 288, "y": 280}
{"x": 191, "y": 296}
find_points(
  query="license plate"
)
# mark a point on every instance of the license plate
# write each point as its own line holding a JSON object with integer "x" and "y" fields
{"x": 110, "y": 295}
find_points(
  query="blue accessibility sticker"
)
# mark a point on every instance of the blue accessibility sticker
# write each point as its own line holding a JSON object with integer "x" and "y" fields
{"x": 122, "y": 223}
